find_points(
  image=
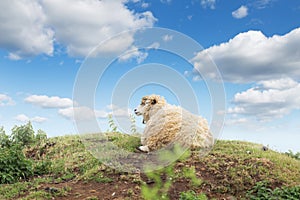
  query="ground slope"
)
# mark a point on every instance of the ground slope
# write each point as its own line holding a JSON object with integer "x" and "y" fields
{"x": 232, "y": 170}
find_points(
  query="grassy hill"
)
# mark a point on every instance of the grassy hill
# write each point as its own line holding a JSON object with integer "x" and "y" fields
{"x": 64, "y": 169}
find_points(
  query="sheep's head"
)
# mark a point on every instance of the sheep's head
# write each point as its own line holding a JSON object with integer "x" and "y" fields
{"x": 147, "y": 104}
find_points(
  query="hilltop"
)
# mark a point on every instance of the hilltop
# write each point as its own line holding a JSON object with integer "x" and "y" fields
{"x": 64, "y": 169}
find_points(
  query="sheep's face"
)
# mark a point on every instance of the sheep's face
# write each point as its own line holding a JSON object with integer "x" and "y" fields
{"x": 144, "y": 107}
{"x": 149, "y": 106}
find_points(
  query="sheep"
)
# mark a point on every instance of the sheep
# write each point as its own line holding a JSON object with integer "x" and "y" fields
{"x": 167, "y": 123}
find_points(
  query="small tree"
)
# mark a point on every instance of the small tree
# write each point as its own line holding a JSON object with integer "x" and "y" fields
{"x": 41, "y": 135}
{"x": 4, "y": 139}
{"x": 133, "y": 128}
{"x": 112, "y": 124}
{"x": 23, "y": 135}
{"x": 14, "y": 165}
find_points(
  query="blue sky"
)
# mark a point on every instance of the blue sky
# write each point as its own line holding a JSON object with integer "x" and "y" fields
{"x": 255, "y": 45}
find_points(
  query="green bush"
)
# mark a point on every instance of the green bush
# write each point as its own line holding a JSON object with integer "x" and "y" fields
{"x": 293, "y": 155}
{"x": 14, "y": 165}
{"x": 42, "y": 167}
{"x": 261, "y": 191}
{"x": 40, "y": 136}
{"x": 4, "y": 139}
{"x": 191, "y": 195}
{"x": 23, "y": 135}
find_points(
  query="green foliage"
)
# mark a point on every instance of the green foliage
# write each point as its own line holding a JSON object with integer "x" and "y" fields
{"x": 191, "y": 195}
{"x": 261, "y": 191}
{"x": 4, "y": 139}
{"x": 38, "y": 195}
{"x": 124, "y": 141}
{"x": 23, "y": 135}
{"x": 14, "y": 165}
{"x": 40, "y": 136}
{"x": 112, "y": 124}
{"x": 161, "y": 187}
{"x": 133, "y": 128}
{"x": 42, "y": 167}
{"x": 293, "y": 155}
{"x": 12, "y": 191}
{"x": 191, "y": 174}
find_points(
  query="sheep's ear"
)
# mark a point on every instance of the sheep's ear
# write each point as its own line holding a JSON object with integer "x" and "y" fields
{"x": 153, "y": 101}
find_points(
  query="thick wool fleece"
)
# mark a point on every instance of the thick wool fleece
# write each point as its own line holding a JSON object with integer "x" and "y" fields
{"x": 167, "y": 123}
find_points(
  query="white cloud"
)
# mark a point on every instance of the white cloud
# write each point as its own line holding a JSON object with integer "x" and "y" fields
{"x": 133, "y": 53}
{"x": 30, "y": 27}
{"x": 208, "y": 4}
{"x": 261, "y": 4}
{"x": 237, "y": 121}
{"x": 39, "y": 119}
{"x": 83, "y": 113}
{"x": 49, "y": 102}
{"x": 23, "y": 29}
{"x": 240, "y": 13}
{"x": 24, "y": 118}
{"x": 154, "y": 45}
{"x": 145, "y": 5}
{"x": 13, "y": 56}
{"x": 6, "y": 100}
{"x": 268, "y": 100}
{"x": 251, "y": 57}
{"x": 279, "y": 84}
{"x": 120, "y": 112}
{"x": 166, "y": 1}
{"x": 84, "y": 24}
{"x": 111, "y": 106}
{"x": 167, "y": 38}
{"x": 186, "y": 73}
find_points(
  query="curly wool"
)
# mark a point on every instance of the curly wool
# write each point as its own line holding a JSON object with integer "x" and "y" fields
{"x": 167, "y": 123}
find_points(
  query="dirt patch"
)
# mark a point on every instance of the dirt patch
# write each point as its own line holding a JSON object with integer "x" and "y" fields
{"x": 119, "y": 188}
{"x": 223, "y": 177}
{"x": 216, "y": 183}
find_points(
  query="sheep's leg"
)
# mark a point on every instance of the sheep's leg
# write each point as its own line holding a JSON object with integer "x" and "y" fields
{"x": 143, "y": 140}
{"x": 144, "y": 148}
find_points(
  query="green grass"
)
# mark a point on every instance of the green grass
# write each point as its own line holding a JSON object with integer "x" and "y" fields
{"x": 11, "y": 191}
{"x": 191, "y": 195}
{"x": 232, "y": 168}
{"x": 238, "y": 166}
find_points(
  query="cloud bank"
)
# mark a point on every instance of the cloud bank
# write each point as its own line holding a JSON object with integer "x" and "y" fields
{"x": 252, "y": 56}
{"x": 240, "y": 13}
{"x": 32, "y": 26}
{"x": 268, "y": 100}
{"x": 24, "y": 118}
{"x": 6, "y": 100}
{"x": 45, "y": 101}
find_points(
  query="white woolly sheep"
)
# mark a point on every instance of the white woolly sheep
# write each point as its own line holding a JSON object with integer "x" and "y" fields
{"x": 167, "y": 123}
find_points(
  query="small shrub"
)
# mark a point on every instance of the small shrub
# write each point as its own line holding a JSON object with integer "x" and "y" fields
{"x": 23, "y": 135}
{"x": 191, "y": 174}
{"x": 112, "y": 124}
{"x": 42, "y": 167}
{"x": 293, "y": 155}
{"x": 41, "y": 136}
{"x": 161, "y": 187}
{"x": 261, "y": 191}
{"x": 133, "y": 128}
{"x": 191, "y": 195}
{"x": 4, "y": 139}
{"x": 14, "y": 165}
